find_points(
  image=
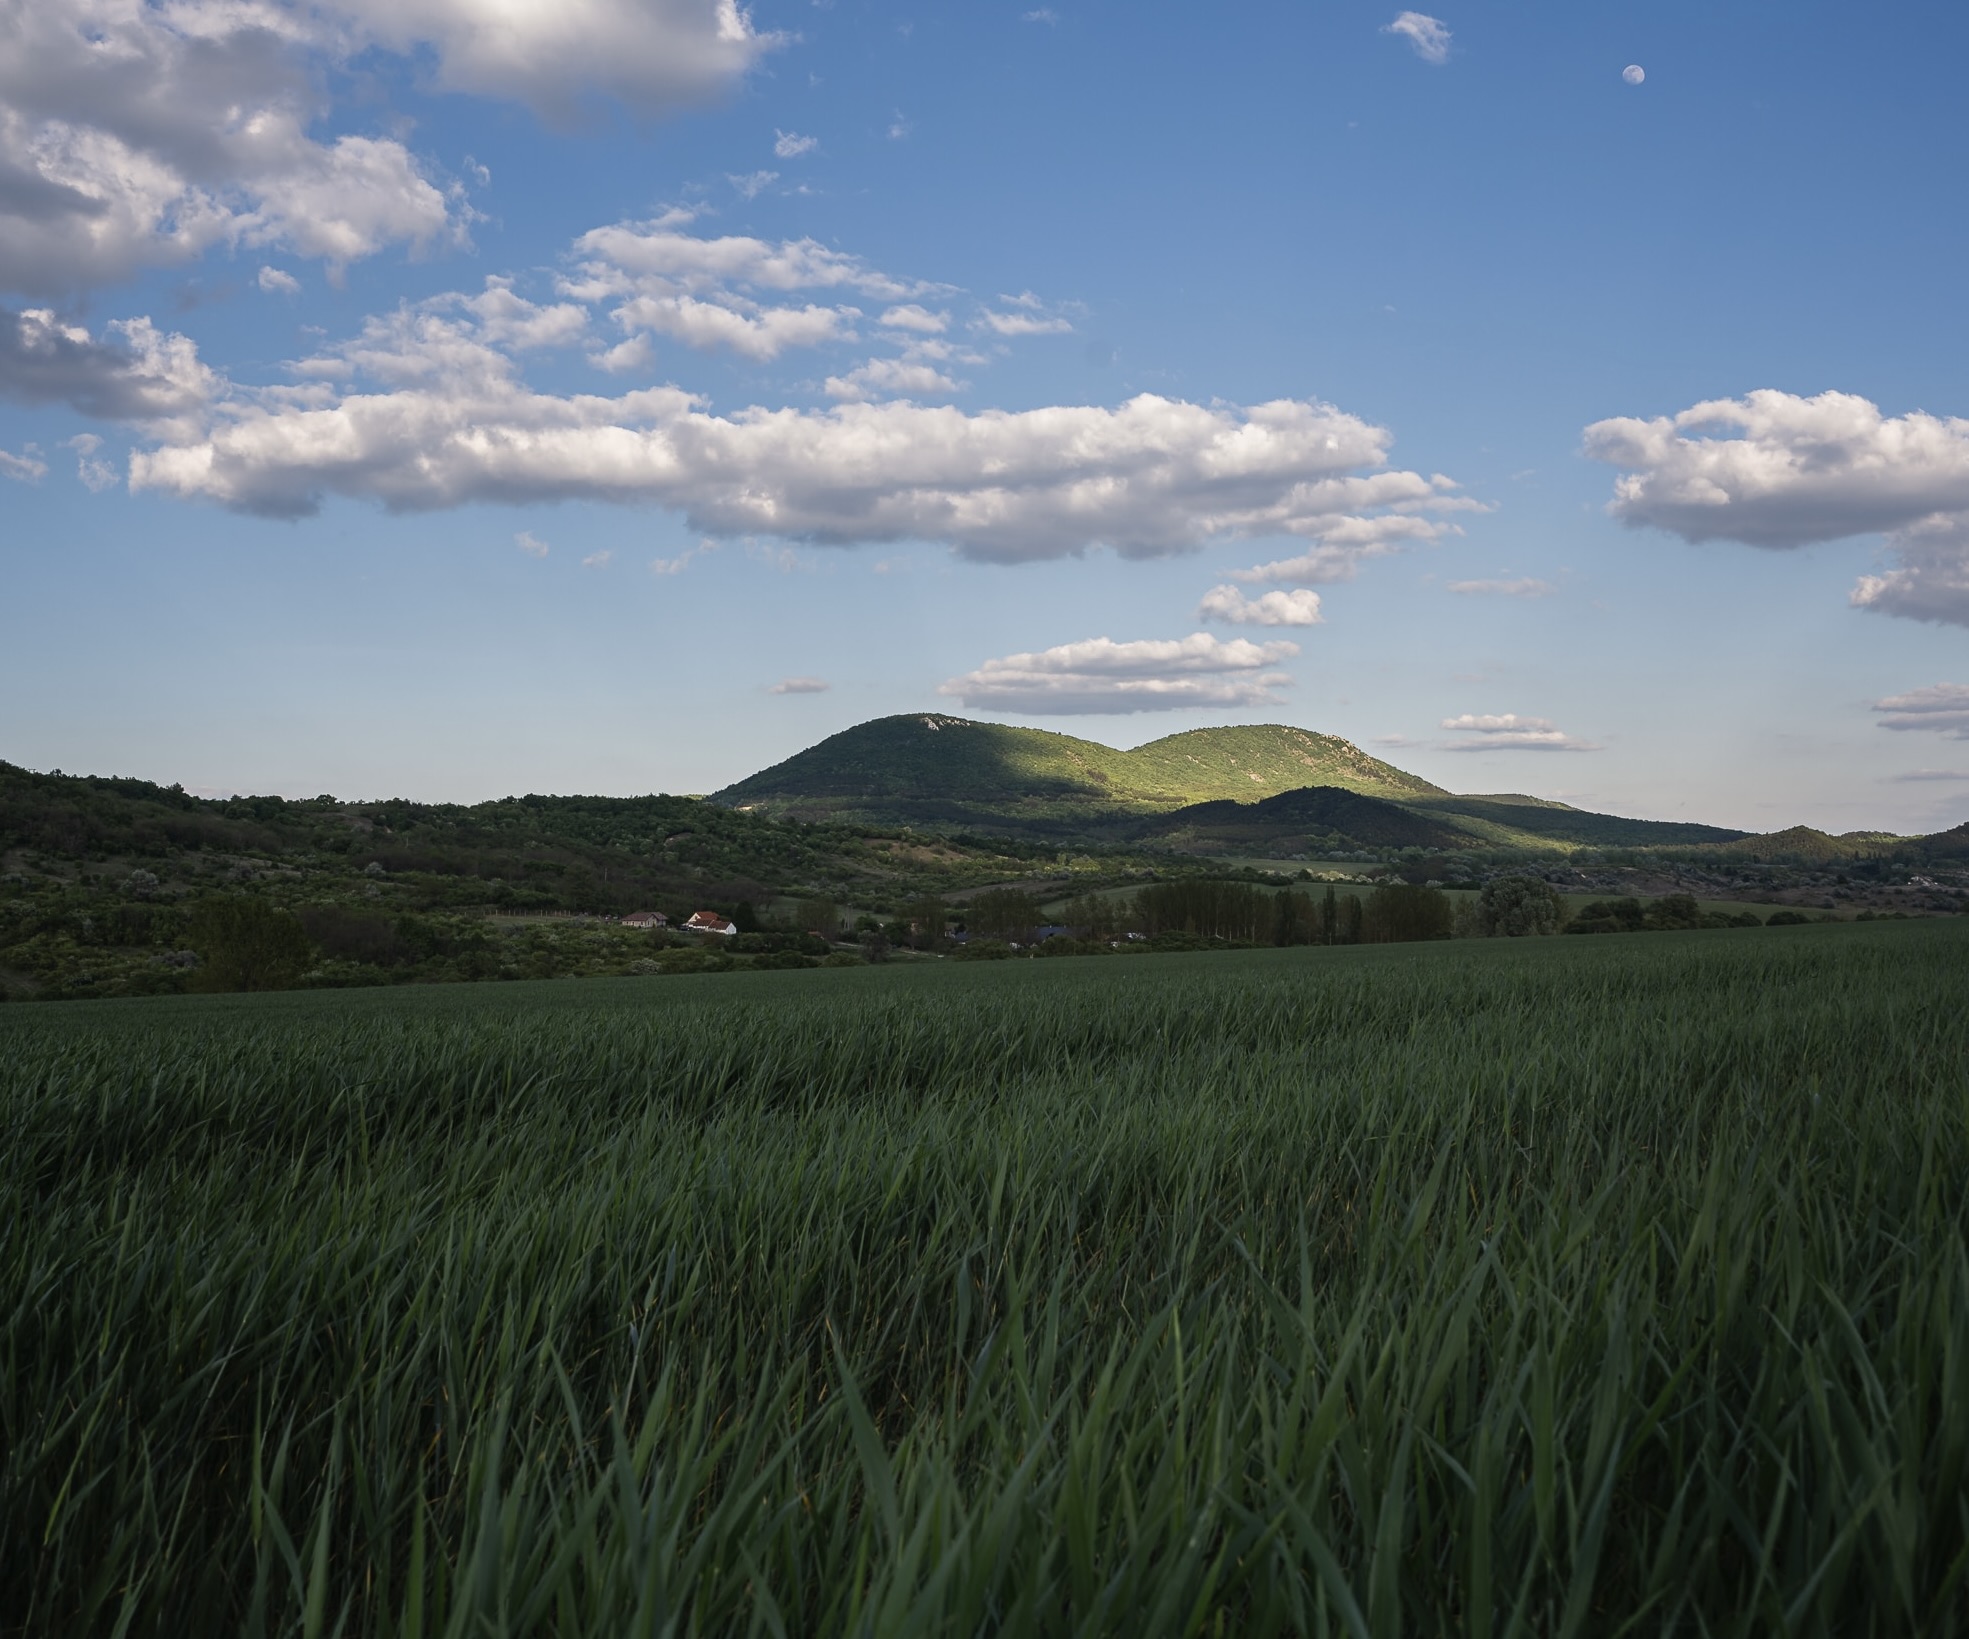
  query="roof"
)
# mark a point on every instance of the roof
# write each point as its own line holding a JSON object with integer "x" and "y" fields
{"x": 708, "y": 919}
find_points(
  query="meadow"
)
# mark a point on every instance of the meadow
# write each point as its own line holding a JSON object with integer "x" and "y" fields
{"x": 1544, "y": 1286}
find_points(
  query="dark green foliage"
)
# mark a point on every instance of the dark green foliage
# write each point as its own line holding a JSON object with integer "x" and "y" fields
{"x": 1560, "y": 823}
{"x": 1513, "y": 907}
{"x": 1608, "y": 1288}
{"x": 1002, "y": 913}
{"x": 1402, "y": 912}
{"x": 1609, "y": 916}
{"x": 1786, "y": 919}
{"x": 1210, "y": 910}
{"x": 245, "y": 944}
{"x": 1672, "y": 912}
{"x": 348, "y": 935}
{"x": 1312, "y": 817}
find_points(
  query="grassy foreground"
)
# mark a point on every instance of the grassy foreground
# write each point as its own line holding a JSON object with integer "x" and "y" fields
{"x": 1550, "y": 1286}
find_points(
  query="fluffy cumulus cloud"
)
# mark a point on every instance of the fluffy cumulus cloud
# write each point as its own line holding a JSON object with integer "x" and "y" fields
{"x": 900, "y": 378}
{"x": 135, "y": 372}
{"x": 136, "y": 134}
{"x": 656, "y": 56}
{"x": 1507, "y": 731}
{"x": 1428, "y": 35}
{"x": 1102, "y": 676}
{"x": 1230, "y": 607}
{"x": 427, "y": 408}
{"x": 1776, "y": 470}
{"x": 1355, "y": 518}
{"x": 1941, "y": 708}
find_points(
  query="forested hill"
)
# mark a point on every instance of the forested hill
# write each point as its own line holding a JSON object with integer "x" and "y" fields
{"x": 520, "y": 853}
{"x": 932, "y": 769}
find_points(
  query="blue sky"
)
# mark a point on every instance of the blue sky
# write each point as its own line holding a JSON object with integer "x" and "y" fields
{"x": 422, "y": 398}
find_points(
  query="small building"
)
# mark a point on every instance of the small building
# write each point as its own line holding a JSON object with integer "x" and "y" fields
{"x": 710, "y": 922}
{"x": 646, "y": 919}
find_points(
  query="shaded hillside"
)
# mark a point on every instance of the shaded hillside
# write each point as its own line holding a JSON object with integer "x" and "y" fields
{"x": 935, "y": 770}
{"x": 518, "y": 853}
{"x": 1303, "y": 821}
{"x": 1514, "y": 821}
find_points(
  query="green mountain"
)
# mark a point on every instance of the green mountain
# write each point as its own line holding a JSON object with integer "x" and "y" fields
{"x": 949, "y": 772}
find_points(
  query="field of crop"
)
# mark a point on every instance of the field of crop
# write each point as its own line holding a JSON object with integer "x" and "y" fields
{"x": 1561, "y": 1286}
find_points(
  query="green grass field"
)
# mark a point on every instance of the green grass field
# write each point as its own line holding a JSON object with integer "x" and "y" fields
{"x": 1563, "y": 1286}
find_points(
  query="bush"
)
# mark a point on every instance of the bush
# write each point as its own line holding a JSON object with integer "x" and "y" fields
{"x": 1673, "y": 913}
{"x": 245, "y": 944}
{"x": 1400, "y": 913}
{"x": 1786, "y": 919}
{"x": 1609, "y": 916}
{"x": 1511, "y": 907}
{"x": 983, "y": 950}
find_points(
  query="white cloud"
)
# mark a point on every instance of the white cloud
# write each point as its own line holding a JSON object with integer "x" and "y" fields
{"x": 681, "y": 562}
{"x": 1346, "y": 539}
{"x": 1923, "y": 775}
{"x": 1022, "y": 324}
{"x": 276, "y": 283}
{"x": 898, "y": 378}
{"x": 800, "y": 685}
{"x": 427, "y": 407}
{"x": 598, "y": 560}
{"x": 1045, "y": 14}
{"x": 791, "y": 145}
{"x": 135, "y": 134}
{"x": 96, "y": 475}
{"x": 531, "y": 544}
{"x": 762, "y": 334}
{"x": 1941, "y": 708}
{"x": 25, "y": 468}
{"x": 1507, "y": 731}
{"x": 137, "y": 373}
{"x": 900, "y": 126}
{"x": 1427, "y": 35}
{"x": 1150, "y": 477}
{"x": 912, "y": 316}
{"x": 656, "y": 56}
{"x": 753, "y": 183}
{"x": 1776, "y": 470}
{"x": 634, "y": 354}
{"x": 1226, "y": 604}
{"x": 1931, "y": 581}
{"x": 1102, "y": 676}
{"x": 1524, "y": 588}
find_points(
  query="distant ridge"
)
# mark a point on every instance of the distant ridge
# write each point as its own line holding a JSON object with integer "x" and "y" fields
{"x": 1259, "y": 788}
{"x": 933, "y": 769}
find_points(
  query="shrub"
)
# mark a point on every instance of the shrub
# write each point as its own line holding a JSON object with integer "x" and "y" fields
{"x": 1609, "y": 916}
{"x": 1512, "y": 907}
{"x": 245, "y": 944}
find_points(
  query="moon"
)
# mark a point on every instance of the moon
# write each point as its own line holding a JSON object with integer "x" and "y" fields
{"x": 1633, "y": 73}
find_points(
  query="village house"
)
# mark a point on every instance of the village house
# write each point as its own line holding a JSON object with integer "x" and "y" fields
{"x": 709, "y": 922}
{"x": 646, "y": 919}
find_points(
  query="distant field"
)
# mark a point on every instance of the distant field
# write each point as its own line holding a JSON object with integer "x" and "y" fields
{"x": 1562, "y": 1286}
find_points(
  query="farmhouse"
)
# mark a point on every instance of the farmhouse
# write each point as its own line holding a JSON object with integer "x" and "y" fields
{"x": 646, "y": 919}
{"x": 709, "y": 922}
